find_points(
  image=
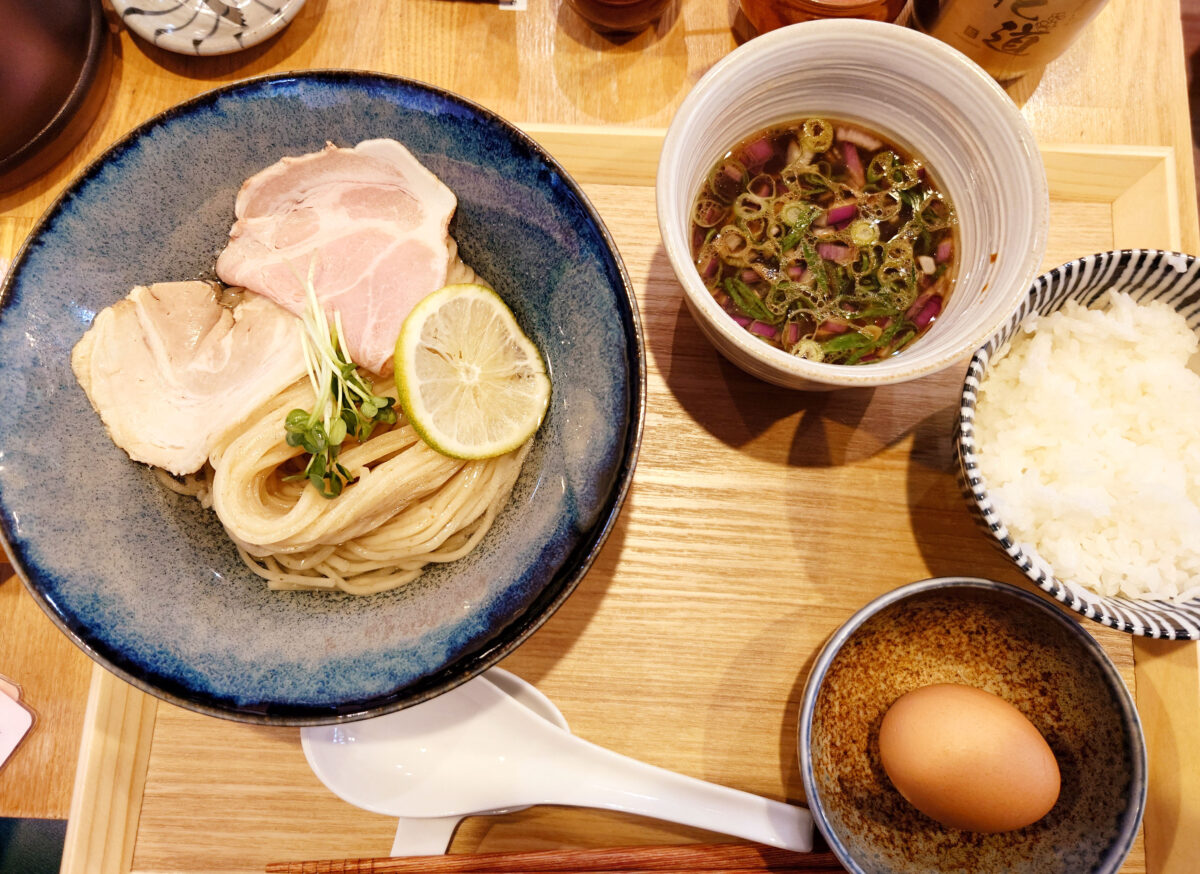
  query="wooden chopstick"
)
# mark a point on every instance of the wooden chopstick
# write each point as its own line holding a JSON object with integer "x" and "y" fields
{"x": 384, "y": 866}
{"x": 706, "y": 858}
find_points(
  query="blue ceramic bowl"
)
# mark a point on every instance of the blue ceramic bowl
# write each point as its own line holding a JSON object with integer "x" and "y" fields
{"x": 1147, "y": 275}
{"x": 146, "y": 581}
{"x": 1006, "y": 641}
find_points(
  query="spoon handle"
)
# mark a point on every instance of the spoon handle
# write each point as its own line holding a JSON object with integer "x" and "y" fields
{"x": 424, "y": 837}
{"x": 586, "y": 775}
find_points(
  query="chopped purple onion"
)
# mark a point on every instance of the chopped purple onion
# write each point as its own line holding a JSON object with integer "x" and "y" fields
{"x": 928, "y": 313}
{"x": 919, "y": 304}
{"x": 759, "y": 152}
{"x": 744, "y": 321}
{"x": 769, "y": 332}
{"x": 835, "y": 252}
{"x": 853, "y": 163}
{"x": 709, "y": 213}
{"x": 945, "y": 250}
{"x": 842, "y": 213}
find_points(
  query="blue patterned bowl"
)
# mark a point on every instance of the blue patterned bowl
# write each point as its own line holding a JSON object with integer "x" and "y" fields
{"x": 1147, "y": 275}
{"x": 201, "y": 27}
{"x": 144, "y": 580}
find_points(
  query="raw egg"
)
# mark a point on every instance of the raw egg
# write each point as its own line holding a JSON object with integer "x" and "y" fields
{"x": 968, "y": 759}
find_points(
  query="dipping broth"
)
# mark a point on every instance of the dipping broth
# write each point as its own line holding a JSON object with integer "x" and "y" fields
{"x": 826, "y": 241}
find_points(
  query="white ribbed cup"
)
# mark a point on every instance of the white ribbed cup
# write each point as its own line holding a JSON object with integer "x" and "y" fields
{"x": 914, "y": 90}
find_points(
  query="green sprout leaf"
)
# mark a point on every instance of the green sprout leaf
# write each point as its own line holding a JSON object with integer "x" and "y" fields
{"x": 344, "y": 402}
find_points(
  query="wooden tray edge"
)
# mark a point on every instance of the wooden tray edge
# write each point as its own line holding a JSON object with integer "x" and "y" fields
{"x": 114, "y": 755}
{"x": 118, "y": 729}
{"x": 1167, "y": 692}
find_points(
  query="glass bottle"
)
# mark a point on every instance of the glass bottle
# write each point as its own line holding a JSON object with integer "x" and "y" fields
{"x": 1008, "y": 38}
{"x": 619, "y": 17}
{"x": 767, "y": 15}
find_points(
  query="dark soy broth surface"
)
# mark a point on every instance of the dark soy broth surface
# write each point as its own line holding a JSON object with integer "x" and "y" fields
{"x": 825, "y": 240}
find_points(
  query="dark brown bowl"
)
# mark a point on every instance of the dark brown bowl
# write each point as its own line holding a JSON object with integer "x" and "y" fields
{"x": 1008, "y": 642}
{"x": 55, "y": 62}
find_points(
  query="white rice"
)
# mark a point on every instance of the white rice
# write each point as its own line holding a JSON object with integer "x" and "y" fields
{"x": 1088, "y": 433}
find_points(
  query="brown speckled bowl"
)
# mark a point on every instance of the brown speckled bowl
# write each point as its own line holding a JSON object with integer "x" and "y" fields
{"x": 1013, "y": 644}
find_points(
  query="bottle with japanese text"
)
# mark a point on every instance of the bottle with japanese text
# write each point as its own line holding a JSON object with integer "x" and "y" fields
{"x": 1008, "y": 38}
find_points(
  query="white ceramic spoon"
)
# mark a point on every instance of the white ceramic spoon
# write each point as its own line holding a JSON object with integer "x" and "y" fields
{"x": 475, "y": 749}
{"x": 432, "y": 835}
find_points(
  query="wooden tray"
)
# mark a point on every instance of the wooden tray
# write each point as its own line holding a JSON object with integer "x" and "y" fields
{"x": 758, "y": 521}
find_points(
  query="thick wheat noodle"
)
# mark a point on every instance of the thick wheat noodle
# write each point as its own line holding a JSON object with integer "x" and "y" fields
{"x": 409, "y": 506}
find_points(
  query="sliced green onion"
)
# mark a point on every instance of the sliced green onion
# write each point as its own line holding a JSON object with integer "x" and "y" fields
{"x": 749, "y": 206}
{"x": 816, "y": 135}
{"x": 863, "y": 232}
{"x": 809, "y": 349}
{"x": 748, "y": 302}
{"x": 880, "y": 166}
{"x": 815, "y": 264}
{"x": 847, "y": 341}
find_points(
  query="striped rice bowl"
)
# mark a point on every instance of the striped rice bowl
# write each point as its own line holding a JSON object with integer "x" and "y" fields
{"x": 1167, "y": 603}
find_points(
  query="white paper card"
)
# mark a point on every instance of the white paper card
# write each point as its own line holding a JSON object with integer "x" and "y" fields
{"x": 15, "y": 721}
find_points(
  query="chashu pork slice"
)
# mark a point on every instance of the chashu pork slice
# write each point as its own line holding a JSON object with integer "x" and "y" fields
{"x": 371, "y": 223}
{"x": 169, "y": 369}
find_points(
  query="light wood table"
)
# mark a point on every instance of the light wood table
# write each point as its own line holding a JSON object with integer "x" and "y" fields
{"x": 1112, "y": 116}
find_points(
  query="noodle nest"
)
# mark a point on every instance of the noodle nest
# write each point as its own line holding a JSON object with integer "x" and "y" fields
{"x": 408, "y": 506}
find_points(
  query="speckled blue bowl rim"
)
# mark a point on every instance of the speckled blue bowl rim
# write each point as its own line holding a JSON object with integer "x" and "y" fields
{"x": 1132, "y": 818}
{"x": 544, "y": 605}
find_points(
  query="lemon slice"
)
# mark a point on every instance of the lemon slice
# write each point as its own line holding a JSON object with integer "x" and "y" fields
{"x": 469, "y": 380}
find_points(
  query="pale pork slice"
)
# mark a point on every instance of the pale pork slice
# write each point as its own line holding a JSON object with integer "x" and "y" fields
{"x": 372, "y": 225}
{"x": 170, "y": 370}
